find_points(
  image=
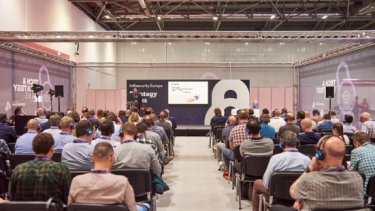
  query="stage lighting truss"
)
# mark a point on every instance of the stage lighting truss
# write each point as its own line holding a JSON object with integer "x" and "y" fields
{"x": 212, "y": 36}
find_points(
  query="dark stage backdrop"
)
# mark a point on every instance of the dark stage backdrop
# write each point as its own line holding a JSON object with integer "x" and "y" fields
{"x": 225, "y": 94}
{"x": 19, "y": 71}
{"x": 353, "y": 77}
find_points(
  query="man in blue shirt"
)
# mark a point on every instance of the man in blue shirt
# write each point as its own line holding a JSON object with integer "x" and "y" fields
{"x": 363, "y": 156}
{"x": 77, "y": 154}
{"x": 24, "y": 143}
{"x": 289, "y": 160}
{"x": 218, "y": 119}
{"x": 308, "y": 136}
{"x": 267, "y": 131}
{"x": 327, "y": 124}
{"x": 106, "y": 128}
{"x": 66, "y": 126}
{"x": 7, "y": 132}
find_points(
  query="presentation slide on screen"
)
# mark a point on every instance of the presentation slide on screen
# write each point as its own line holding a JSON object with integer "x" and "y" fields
{"x": 187, "y": 92}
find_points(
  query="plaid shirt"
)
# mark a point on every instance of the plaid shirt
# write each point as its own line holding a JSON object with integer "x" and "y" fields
{"x": 238, "y": 134}
{"x": 369, "y": 128}
{"x": 143, "y": 140}
{"x": 4, "y": 149}
{"x": 40, "y": 180}
{"x": 363, "y": 159}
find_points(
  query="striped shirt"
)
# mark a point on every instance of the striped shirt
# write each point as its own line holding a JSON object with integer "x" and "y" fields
{"x": 238, "y": 134}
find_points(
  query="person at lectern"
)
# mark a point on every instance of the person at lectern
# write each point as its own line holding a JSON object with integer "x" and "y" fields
{"x": 136, "y": 97}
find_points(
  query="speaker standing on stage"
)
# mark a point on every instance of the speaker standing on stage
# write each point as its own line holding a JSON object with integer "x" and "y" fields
{"x": 136, "y": 97}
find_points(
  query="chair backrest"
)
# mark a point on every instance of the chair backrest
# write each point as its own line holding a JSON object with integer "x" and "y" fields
{"x": 168, "y": 133}
{"x": 140, "y": 180}
{"x": 218, "y": 132}
{"x": 255, "y": 166}
{"x": 280, "y": 183}
{"x": 96, "y": 207}
{"x": 76, "y": 173}
{"x": 56, "y": 157}
{"x": 371, "y": 187}
{"x": 49, "y": 205}
{"x": 3, "y": 163}
{"x": 308, "y": 149}
{"x": 237, "y": 154}
{"x": 12, "y": 147}
{"x": 16, "y": 159}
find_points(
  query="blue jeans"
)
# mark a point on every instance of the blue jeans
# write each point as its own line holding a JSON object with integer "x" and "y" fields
{"x": 228, "y": 155}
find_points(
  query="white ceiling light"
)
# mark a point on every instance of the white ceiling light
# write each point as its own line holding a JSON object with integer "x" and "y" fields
{"x": 158, "y": 17}
{"x": 325, "y": 17}
{"x": 106, "y": 17}
{"x": 273, "y": 17}
{"x": 215, "y": 18}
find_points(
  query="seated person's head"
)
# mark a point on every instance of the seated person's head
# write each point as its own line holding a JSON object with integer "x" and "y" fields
{"x": 129, "y": 130}
{"x": 327, "y": 117}
{"x": 316, "y": 112}
{"x": 300, "y": 115}
{"x": 276, "y": 113}
{"x": 217, "y": 111}
{"x": 243, "y": 115}
{"x": 107, "y": 128}
{"x": 75, "y": 116}
{"x": 232, "y": 120}
{"x": 85, "y": 130}
{"x": 265, "y": 111}
{"x": 43, "y": 145}
{"x": 55, "y": 120}
{"x": 162, "y": 115}
{"x": 348, "y": 119}
{"x": 333, "y": 150}
{"x": 306, "y": 125}
{"x": 290, "y": 117}
{"x": 32, "y": 125}
{"x": 360, "y": 138}
{"x": 365, "y": 116}
{"x": 66, "y": 123}
{"x": 141, "y": 128}
{"x": 148, "y": 121}
{"x": 288, "y": 139}
{"x": 253, "y": 127}
{"x": 103, "y": 155}
{"x": 338, "y": 129}
{"x": 265, "y": 118}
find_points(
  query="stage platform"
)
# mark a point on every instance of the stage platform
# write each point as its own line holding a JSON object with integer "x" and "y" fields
{"x": 192, "y": 130}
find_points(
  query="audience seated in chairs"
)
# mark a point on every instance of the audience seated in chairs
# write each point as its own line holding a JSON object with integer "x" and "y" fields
{"x": 131, "y": 154}
{"x": 65, "y": 137}
{"x": 24, "y": 143}
{"x": 300, "y": 116}
{"x": 308, "y": 136}
{"x": 266, "y": 130}
{"x": 107, "y": 129}
{"x": 41, "y": 178}
{"x": 363, "y": 156}
{"x": 232, "y": 121}
{"x": 218, "y": 119}
{"x": 141, "y": 137}
{"x": 237, "y": 135}
{"x": 157, "y": 129}
{"x": 8, "y": 133}
{"x": 289, "y": 160}
{"x": 154, "y": 137}
{"x": 348, "y": 127}
{"x": 77, "y": 154}
{"x": 100, "y": 186}
{"x": 328, "y": 185}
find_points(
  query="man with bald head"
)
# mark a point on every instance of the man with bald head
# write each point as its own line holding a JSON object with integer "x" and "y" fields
{"x": 24, "y": 143}
{"x": 308, "y": 136}
{"x": 232, "y": 121}
{"x": 368, "y": 124}
{"x": 326, "y": 184}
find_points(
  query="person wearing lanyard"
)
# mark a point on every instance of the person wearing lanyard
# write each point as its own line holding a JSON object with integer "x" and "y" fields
{"x": 77, "y": 154}
{"x": 106, "y": 128}
{"x": 66, "y": 125}
{"x": 41, "y": 178}
{"x": 363, "y": 156}
{"x": 88, "y": 188}
{"x": 289, "y": 160}
{"x": 326, "y": 184}
{"x": 24, "y": 142}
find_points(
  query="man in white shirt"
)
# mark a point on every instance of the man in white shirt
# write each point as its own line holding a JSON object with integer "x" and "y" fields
{"x": 277, "y": 121}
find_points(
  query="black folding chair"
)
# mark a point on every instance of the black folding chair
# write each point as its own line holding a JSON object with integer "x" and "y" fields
{"x": 308, "y": 149}
{"x": 235, "y": 166}
{"x": 12, "y": 147}
{"x": 96, "y": 207}
{"x": 140, "y": 180}
{"x": 50, "y": 205}
{"x": 279, "y": 186}
{"x": 277, "y": 149}
{"x": 16, "y": 159}
{"x": 370, "y": 190}
{"x": 252, "y": 168}
{"x": 56, "y": 157}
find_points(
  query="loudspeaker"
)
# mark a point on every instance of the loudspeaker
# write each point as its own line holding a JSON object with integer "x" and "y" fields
{"x": 330, "y": 92}
{"x": 59, "y": 91}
